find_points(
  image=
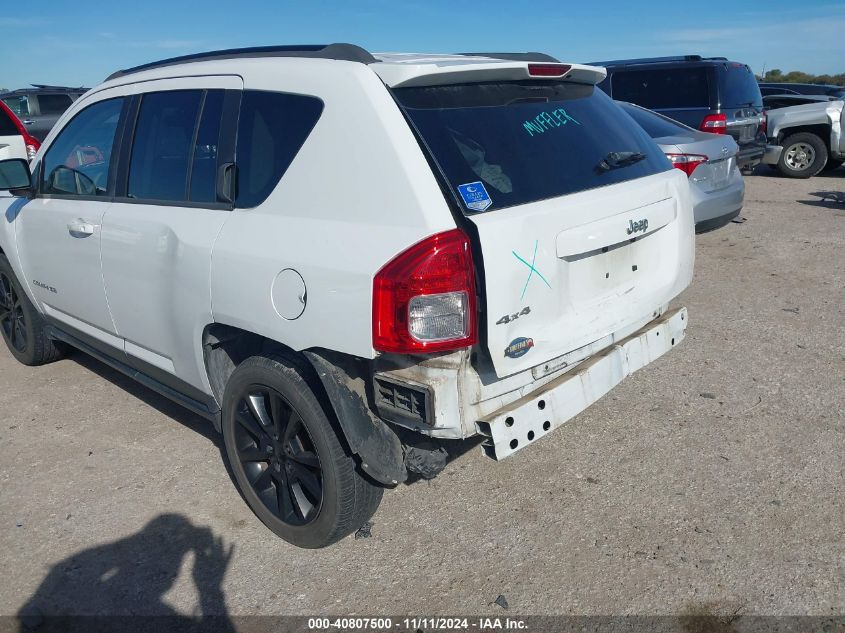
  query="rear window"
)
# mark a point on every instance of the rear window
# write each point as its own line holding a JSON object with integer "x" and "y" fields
{"x": 7, "y": 126}
{"x": 54, "y": 104}
{"x": 687, "y": 87}
{"x": 272, "y": 128}
{"x": 738, "y": 87}
{"x": 656, "y": 125}
{"x": 526, "y": 141}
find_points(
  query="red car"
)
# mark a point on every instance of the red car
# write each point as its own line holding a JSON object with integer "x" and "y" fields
{"x": 15, "y": 141}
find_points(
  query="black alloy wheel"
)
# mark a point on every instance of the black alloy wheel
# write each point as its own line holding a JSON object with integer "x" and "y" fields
{"x": 288, "y": 456}
{"x": 278, "y": 456}
{"x": 12, "y": 318}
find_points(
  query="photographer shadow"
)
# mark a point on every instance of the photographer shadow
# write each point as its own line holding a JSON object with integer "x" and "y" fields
{"x": 120, "y": 586}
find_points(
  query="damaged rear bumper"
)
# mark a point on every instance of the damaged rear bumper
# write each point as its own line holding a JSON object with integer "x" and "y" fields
{"x": 533, "y": 416}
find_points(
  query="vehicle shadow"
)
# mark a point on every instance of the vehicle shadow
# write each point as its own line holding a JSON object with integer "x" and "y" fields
{"x": 120, "y": 586}
{"x": 827, "y": 199}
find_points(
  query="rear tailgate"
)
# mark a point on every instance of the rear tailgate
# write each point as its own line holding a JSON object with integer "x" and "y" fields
{"x": 566, "y": 272}
{"x": 584, "y": 228}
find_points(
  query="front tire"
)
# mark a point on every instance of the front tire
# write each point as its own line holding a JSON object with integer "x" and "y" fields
{"x": 22, "y": 327}
{"x": 804, "y": 155}
{"x": 288, "y": 459}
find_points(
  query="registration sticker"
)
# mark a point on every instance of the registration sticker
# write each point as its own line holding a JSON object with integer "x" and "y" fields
{"x": 475, "y": 196}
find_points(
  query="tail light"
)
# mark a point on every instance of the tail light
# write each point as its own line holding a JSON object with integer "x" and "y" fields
{"x": 764, "y": 123}
{"x": 714, "y": 123}
{"x": 32, "y": 145}
{"x": 424, "y": 298}
{"x": 548, "y": 70}
{"x": 687, "y": 162}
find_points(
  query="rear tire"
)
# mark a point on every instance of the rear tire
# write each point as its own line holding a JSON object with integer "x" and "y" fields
{"x": 22, "y": 327}
{"x": 804, "y": 155}
{"x": 287, "y": 456}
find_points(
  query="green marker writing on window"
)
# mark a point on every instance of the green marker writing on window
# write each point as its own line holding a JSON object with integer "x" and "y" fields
{"x": 548, "y": 121}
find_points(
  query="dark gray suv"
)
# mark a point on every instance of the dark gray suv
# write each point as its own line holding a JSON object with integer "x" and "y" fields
{"x": 711, "y": 94}
{"x": 40, "y": 107}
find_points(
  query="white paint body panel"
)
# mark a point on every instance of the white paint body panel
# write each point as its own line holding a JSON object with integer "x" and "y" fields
{"x": 12, "y": 146}
{"x": 584, "y": 294}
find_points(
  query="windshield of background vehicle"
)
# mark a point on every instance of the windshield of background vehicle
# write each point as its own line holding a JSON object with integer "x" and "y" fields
{"x": 526, "y": 140}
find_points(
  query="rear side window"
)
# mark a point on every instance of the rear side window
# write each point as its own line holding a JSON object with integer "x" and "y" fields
{"x": 272, "y": 128}
{"x": 7, "y": 126}
{"x": 53, "y": 104}
{"x": 526, "y": 141}
{"x": 78, "y": 161}
{"x": 667, "y": 88}
{"x": 174, "y": 152}
{"x": 738, "y": 87}
{"x": 656, "y": 125}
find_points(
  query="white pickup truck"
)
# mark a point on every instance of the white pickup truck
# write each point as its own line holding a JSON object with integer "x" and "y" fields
{"x": 811, "y": 137}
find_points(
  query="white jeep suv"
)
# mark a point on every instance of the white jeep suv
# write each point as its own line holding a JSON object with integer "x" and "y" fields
{"x": 349, "y": 262}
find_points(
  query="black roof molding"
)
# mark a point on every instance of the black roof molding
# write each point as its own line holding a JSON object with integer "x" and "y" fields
{"x": 517, "y": 57}
{"x": 653, "y": 60}
{"x": 47, "y": 87}
{"x": 342, "y": 52}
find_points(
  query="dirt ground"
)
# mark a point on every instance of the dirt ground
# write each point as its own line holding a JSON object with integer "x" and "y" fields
{"x": 713, "y": 479}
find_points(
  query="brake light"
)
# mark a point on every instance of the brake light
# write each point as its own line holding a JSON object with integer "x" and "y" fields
{"x": 32, "y": 145}
{"x": 686, "y": 162}
{"x": 764, "y": 123}
{"x": 424, "y": 298}
{"x": 548, "y": 70}
{"x": 714, "y": 123}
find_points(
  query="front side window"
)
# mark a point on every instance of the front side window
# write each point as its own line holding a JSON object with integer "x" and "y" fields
{"x": 272, "y": 128}
{"x": 18, "y": 105}
{"x": 78, "y": 161}
{"x": 174, "y": 152}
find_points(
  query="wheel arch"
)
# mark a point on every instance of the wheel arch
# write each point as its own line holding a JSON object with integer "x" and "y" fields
{"x": 339, "y": 381}
{"x": 820, "y": 130}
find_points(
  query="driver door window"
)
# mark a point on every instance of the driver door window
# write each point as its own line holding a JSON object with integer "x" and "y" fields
{"x": 78, "y": 162}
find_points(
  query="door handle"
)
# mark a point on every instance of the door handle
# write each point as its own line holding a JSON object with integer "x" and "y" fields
{"x": 27, "y": 121}
{"x": 80, "y": 228}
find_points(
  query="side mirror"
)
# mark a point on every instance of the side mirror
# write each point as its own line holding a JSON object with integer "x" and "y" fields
{"x": 15, "y": 177}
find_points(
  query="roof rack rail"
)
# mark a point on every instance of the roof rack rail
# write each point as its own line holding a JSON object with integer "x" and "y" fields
{"x": 517, "y": 57}
{"x": 651, "y": 60}
{"x": 48, "y": 87}
{"x": 343, "y": 52}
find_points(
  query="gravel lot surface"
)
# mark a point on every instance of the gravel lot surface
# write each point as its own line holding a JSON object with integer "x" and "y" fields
{"x": 711, "y": 481}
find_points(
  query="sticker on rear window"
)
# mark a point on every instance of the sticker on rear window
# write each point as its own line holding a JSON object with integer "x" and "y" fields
{"x": 475, "y": 196}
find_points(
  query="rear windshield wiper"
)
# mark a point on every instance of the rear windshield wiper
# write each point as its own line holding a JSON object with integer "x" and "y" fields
{"x": 614, "y": 160}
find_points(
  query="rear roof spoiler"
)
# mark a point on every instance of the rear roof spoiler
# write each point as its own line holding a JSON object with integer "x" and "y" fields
{"x": 517, "y": 57}
{"x": 478, "y": 69}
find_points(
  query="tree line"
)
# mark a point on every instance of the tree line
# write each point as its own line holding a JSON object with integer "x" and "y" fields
{"x": 776, "y": 75}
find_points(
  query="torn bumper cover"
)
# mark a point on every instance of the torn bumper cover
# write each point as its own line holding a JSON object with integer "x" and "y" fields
{"x": 533, "y": 416}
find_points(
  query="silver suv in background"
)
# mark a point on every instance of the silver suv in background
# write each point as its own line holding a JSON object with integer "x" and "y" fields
{"x": 40, "y": 107}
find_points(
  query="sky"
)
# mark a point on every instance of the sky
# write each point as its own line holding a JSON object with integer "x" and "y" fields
{"x": 80, "y": 43}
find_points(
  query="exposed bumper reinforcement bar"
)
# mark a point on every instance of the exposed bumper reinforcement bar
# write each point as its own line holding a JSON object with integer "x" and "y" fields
{"x": 533, "y": 416}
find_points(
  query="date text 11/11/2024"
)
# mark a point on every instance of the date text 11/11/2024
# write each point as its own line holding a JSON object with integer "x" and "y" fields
{"x": 480, "y": 624}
